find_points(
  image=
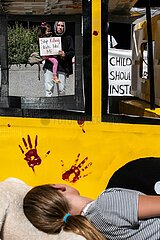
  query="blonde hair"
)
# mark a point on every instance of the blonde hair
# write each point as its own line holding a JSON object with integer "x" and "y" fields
{"x": 45, "y": 207}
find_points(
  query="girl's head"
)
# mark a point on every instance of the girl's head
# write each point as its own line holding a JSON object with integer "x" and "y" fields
{"x": 44, "y": 30}
{"x": 46, "y": 207}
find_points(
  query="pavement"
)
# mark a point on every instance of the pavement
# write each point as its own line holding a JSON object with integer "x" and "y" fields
{"x": 23, "y": 81}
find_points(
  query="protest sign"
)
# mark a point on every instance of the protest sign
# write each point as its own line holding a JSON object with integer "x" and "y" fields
{"x": 119, "y": 72}
{"x": 50, "y": 46}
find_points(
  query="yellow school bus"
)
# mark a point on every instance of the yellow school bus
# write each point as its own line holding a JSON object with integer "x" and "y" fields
{"x": 76, "y": 139}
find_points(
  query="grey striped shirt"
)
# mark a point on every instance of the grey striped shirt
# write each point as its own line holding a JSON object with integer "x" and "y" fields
{"x": 115, "y": 215}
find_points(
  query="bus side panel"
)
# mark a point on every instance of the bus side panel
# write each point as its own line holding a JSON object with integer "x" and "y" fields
{"x": 83, "y": 154}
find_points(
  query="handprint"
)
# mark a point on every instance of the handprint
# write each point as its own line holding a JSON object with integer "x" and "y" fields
{"x": 31, "y": 156}
{"x": 74, "y": 173}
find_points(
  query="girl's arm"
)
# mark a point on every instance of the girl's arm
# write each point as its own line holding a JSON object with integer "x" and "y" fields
{"x": 148, "y": 206}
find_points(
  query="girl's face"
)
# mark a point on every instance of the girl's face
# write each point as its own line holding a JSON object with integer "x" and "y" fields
{"x": 66, "y": 189}
{"x": 48, "y": 32}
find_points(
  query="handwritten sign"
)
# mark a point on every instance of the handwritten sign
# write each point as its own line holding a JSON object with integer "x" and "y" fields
{"x": 119, "y": 72}
{"x": 50, "y": 46}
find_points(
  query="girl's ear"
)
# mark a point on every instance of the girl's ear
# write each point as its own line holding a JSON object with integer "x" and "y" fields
{"x": 60, "y": 187}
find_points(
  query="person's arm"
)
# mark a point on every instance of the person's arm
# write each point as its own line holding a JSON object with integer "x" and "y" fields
{"x": 68, "y": 52}
{"x": 148, "y": 206}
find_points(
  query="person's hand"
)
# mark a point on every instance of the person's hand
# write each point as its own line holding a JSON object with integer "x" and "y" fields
{"x": 61, "y": 53}
{"x": 44, "y": 57}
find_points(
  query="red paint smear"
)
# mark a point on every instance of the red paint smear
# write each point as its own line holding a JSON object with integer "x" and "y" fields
{"x": 77, "y": 159}
{"x": 74, "y": 173}
{"x": 74, "y": 170}
{"x": 25, "y": 143}
{"x": 21, "y": 149}
{"x": 31, "y": 156}
{"x": 84, "y": 160}
{"x": 95, "y": 33}
{"x": 83, "y": 130}
{"x": 36, "y": 140}
{"x": 29, "y": 141}
{"x": 80, "y": 122}
{"x": 62, "y": 163}
{"x": 47, "y": 153}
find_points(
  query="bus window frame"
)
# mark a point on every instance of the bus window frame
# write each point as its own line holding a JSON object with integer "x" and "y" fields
{"x": 70, "y": 107}
{"x": 110, "y": 117}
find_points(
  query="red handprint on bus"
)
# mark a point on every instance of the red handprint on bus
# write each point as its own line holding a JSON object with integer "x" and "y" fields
{"x": 75, "y": 172}
{"x": 31, "y": 155}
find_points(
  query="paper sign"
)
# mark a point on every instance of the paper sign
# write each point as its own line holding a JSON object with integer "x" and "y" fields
{"x": 119, "y": 72}
{"x": 50, "y": 46}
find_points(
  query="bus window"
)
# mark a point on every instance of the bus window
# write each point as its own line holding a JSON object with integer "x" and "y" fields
{"x": 128, "y": 68}
{"x": 33, "y": 86}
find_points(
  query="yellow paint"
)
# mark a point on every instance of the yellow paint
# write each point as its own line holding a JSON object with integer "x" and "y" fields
{"x": 96, "y": 60}
{"x": 107, "y": 146}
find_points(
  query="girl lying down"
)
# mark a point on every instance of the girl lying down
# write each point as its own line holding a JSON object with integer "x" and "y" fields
{"x": 13, "y": 223}
{"x": 116, "y": 214}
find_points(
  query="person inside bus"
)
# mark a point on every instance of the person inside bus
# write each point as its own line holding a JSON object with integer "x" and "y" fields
{"x": 64, "y": 59}
{"x": 117, "y": 213}
{"x": 44, "y": 31}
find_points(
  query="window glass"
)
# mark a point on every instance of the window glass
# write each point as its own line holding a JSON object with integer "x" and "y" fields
{"x": 42, "y": 67}
{"x": 128, "y": 72}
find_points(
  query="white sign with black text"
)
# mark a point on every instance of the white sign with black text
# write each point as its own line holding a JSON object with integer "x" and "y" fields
{"x": 119, "y": 72}
{"x": 50, "y": 46}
